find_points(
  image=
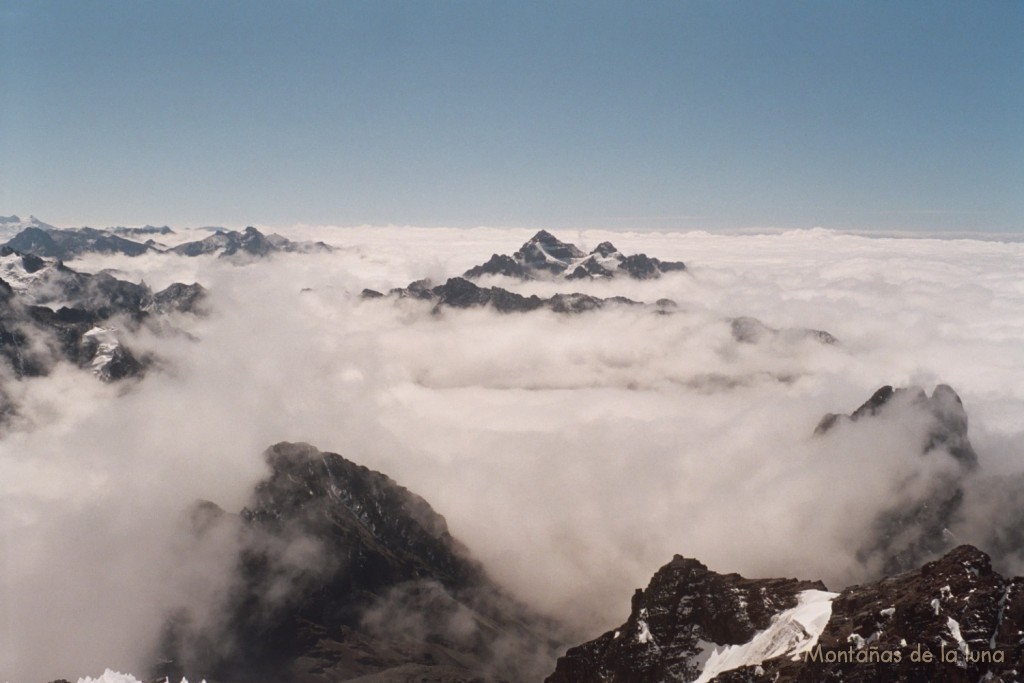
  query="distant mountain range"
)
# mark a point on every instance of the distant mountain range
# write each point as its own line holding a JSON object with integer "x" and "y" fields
{"x": 38, "y": 238}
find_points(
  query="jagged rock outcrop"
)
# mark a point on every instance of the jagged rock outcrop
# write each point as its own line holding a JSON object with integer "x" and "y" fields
{"x": 249, "y": 242}
{"x": 545, "y": 256}
{"x": 952, "y": 620}
{"x": 343, "y": 573}
{"x": 675, "y": 623}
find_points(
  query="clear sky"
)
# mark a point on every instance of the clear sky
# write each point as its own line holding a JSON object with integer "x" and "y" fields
{"x": 889, "y": 114}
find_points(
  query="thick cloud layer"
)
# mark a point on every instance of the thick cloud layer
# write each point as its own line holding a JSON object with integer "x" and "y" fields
{"x": 573, "y": 455}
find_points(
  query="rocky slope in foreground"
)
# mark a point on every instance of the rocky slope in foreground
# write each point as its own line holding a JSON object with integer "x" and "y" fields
{"x": 341, "y": 574}
{"x": 952, "y": 620}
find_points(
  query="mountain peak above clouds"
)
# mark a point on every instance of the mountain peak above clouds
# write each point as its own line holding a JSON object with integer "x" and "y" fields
{"x": 544, "y": 256}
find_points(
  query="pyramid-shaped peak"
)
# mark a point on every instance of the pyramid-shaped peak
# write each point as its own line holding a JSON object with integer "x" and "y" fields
{"x": 544, "y": 246}
{"x": 605, "y": 249}
{"x": 544, "y": 236}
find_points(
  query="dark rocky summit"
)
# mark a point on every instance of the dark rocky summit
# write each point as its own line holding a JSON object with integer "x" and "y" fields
{"x": 951, "y": 620}
{"x": 673, "y": 624}
{"x": 545, "y": 256}
{"x": 343, "y": 573}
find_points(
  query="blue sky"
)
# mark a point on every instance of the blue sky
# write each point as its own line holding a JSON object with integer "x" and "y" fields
{"x": 667, "y": 115}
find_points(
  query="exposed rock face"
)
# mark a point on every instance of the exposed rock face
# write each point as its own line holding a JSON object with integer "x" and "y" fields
{"x": 675, "y": 623}
{"x": 545, "y": 256}
{"x": 459, "y": 292}
{"x": 250, "y": 242}
{"x": 344, "y": 573}
{"x": 954, "y": 619}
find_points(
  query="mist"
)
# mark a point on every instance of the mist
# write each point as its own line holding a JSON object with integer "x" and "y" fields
{"x": 573, "y": 455}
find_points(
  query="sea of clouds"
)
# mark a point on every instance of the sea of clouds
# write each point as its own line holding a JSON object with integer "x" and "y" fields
{"x": 573, "y": 455}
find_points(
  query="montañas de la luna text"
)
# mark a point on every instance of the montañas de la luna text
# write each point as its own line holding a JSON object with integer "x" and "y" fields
{"x": 874, "y": 655}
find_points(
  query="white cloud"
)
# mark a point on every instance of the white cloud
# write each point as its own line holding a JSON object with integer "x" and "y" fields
{"x": 573, "y": 455}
